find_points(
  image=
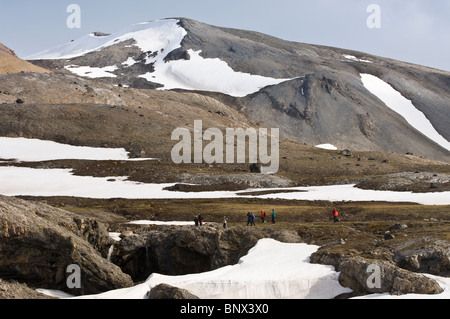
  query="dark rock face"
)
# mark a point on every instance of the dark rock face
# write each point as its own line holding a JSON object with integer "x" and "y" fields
{"x": 185, "y": 250}
{"x": 38, "y": 243}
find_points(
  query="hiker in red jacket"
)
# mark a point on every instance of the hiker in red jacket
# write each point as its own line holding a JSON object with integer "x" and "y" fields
{"x": 335, "y": 215}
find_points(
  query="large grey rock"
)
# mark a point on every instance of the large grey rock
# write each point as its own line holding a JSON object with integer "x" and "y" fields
{"x": 356, "y": 274}
{"x": 433, "y": 258}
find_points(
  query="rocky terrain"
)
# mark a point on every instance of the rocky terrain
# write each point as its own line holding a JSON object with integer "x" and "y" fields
{"x": 323, "y": 100}
{"x": 39, "y": 242}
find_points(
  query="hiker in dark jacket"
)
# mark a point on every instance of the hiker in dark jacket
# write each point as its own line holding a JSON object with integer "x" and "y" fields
{"x": 200, "y": 220}
{"x": 249, "y": 219}
{"x": 273, "y": 215}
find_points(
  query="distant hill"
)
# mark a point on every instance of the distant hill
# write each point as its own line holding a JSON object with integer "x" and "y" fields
{"x": 10, "y": 63}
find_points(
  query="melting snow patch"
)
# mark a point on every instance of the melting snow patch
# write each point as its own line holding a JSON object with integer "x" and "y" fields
{"x": 129, "y": 62}
{"x": 23, "y": 181}
{"x": 398, "y": 103}
{"x": 92, "y": 72}
{"x": 199, "y": 73}
{"x": 327, "y": 147}
{"x": 161, "y": 223}
{"x": 271, "y": 270}
{"x": 355, "y": 59}
{"x": 34, "y": 150}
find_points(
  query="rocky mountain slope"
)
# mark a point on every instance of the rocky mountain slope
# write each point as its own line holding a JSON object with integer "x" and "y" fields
{"x": 314, "y": 94}
{"x": 10, "y": 63}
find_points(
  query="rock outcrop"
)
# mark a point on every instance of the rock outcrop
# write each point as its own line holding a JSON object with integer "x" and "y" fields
{"x": 39, "y": 242}
{"x": 357, "y": 275}
{"x": 185, "y": 250}
{"x": 433, "y": 259}
{"x": 10, "y": 289}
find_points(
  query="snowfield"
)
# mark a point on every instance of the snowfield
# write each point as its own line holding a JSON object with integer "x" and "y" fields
{"x": 162, "y": 37}
{"x": 34, "y": 150}
{"x": 23, "y": 181}
{"x": 398, "y": 103}
{"x": 271, "y": 270}
{"x": 202, "y": 74}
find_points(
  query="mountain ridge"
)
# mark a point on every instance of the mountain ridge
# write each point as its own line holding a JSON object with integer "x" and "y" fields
{"x": 326, "y": 102}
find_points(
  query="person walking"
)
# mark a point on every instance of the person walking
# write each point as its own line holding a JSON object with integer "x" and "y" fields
{"x": 335, "y": 215}
{"x": 274, "y": 215}
{"x": 196, "y": 221}
{"x": 253, "y": 219}
{"x": 200, "y": 219}
{"x": 263, "y": 216}
{"x": 249, "y": 219}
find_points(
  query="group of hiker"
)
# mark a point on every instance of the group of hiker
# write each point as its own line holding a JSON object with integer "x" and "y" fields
{"x": 251, "y": 217}
{"x": 198, "y": 220}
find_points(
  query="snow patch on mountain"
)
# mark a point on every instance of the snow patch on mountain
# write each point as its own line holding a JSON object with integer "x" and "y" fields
{"x": 92, "y": 72}
{"x": 355, "y": 59}
{"x": 202, "y": 74}
{"x": 401, "y": 105}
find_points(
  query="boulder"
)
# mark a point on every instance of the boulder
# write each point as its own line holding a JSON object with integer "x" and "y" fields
{"x": 164, "y": 291}
{"x": 399, "y": 226}
{"x": 433, "y": 258}
{"x": 178, "y": 54}
{"x": 346, "y": 152}
{"x": 39, "y": 242}
{"x": 356, "y": 273}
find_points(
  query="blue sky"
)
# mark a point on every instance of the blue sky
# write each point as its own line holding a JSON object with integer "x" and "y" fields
{"x": 416, "y": 31}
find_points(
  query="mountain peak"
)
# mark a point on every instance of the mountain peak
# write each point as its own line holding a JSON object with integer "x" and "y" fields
{"x": 315, "y": 93}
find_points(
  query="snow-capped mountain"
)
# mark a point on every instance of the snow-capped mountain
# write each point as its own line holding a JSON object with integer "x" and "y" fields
{"x": 157, "y": 41}
{"x": 314, "y": 94}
